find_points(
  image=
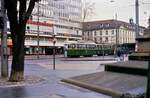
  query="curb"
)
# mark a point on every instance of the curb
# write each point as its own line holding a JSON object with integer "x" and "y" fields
{"x": 91, "y": 87}
{"x": 10, "y": 59}
{"x": 90, "y": 60}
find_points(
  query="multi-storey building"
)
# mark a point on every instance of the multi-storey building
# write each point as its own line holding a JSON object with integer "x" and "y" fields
{"x": 110, "y": 32}
{"x": 61, "y": 18}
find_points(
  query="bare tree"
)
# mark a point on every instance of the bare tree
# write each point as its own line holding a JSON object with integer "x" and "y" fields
{"x": 87, "y": 9}
{"x": 87, "y": 12}
{"x": 18, "y": 12}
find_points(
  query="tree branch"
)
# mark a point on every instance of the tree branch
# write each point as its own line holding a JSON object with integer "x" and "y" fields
{"x": 11, "y": 7}
{"x": 22, "y": 10}
{"x": 87, "y": 9}
{"x": 30, "y": 9}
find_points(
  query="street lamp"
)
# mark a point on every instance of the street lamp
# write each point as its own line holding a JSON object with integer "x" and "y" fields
{"x": 54, "y": 42}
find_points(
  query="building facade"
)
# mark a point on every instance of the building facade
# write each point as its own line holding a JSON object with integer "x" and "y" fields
{"x": 110, "y": 32}
{"x": 61, "y": 18}
{"x": 52, "y": 18}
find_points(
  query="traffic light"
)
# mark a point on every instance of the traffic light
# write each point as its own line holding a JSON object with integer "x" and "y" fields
{"x": 1, "y": 23}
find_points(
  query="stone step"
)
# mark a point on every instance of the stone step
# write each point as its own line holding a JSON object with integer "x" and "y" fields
{"x": 129, "y": 67}
{"x": 139, "y": 56}
{"x": 110, "y": 83}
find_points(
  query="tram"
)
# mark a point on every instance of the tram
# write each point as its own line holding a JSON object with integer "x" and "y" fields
{"x": 87, "y": 49}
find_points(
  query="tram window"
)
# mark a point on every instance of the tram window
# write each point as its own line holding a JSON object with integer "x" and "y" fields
{"x": 83, "y": 46}
{"x": 73, "y": 46}
{"x": 98, "y": 46}
{"x": 69, "y": 46}
{"x": 80, "y": 46}
{"x": 105, "y": 46}
{"x": 101, "y": 46}
{"x": 91, "y": 46}
{"x": 86, "y": 46}
{"x": 77, "y": 45}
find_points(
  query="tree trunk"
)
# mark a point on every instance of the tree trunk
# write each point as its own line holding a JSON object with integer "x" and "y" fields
{"x": 17, "y": 68}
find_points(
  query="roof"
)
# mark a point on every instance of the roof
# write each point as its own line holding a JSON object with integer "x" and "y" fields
{"x": 107, "y": 24}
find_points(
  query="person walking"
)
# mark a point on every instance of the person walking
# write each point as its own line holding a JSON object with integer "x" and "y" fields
{"x": 118, "y": 55}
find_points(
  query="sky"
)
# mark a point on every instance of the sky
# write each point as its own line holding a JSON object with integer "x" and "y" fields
{"x": 123, "y": 9}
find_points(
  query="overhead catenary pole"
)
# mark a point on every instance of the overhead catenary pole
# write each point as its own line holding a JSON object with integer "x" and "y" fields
{"x": 116, "y": 31}
{"x": 137, "y": 22}
{"x": 117, "y": 34}
{"x": 54, "y": 52}
{"x": 4, "y": 53}
{"x": 137, "y": 17}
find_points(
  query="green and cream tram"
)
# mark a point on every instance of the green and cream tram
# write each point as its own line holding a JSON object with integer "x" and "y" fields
{"x": 87, "y": 49}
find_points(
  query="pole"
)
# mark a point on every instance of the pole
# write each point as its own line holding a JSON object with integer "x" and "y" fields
{"x": 148, "y": 80}
{"x": 38, "y": 39}
{"x": 103, "y": 50}
{"x": 4, "y": 53}
{"x": 137, "y": 22}
{"x": 117, "y": 34}
{"x": 54, "y": 41}
{"x": 137, "y": 17}
{"x": 53, "y": 55}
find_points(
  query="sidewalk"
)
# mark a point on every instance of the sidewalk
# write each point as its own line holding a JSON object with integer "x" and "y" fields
{"x": 34, "y": 57}
{"x": 94, "y": 58}
{"x": 52, "y": 87}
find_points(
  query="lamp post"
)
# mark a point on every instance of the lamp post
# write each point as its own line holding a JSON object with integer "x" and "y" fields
{"x": 38, "y": 39}
{"x": 103, "y": 50}
{"x": 54, "y": 42}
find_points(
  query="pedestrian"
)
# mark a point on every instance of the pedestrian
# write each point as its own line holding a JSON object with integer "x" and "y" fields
{"x": 118, "y": 55}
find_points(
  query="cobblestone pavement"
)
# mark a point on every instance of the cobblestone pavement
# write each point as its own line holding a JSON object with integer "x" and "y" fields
{"x": 53, "y": 87}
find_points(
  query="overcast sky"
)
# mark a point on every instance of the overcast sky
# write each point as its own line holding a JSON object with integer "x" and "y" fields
{"x": 125, "y": 9}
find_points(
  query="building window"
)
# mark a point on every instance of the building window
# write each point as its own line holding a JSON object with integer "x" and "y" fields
{"x": 100, "y": 39}
{"x": 112, "y": 32}
{"x": 88, "y": 34}
{"x": 101, "y": 25}
{"x": 100, "y": 32}
{"x": 28, "y": 29}
{"x": 106, "y": 32}
{"x": 95, "y": 33}
{"x": 95, "y": 39}
{"x": 106, "y": 39}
